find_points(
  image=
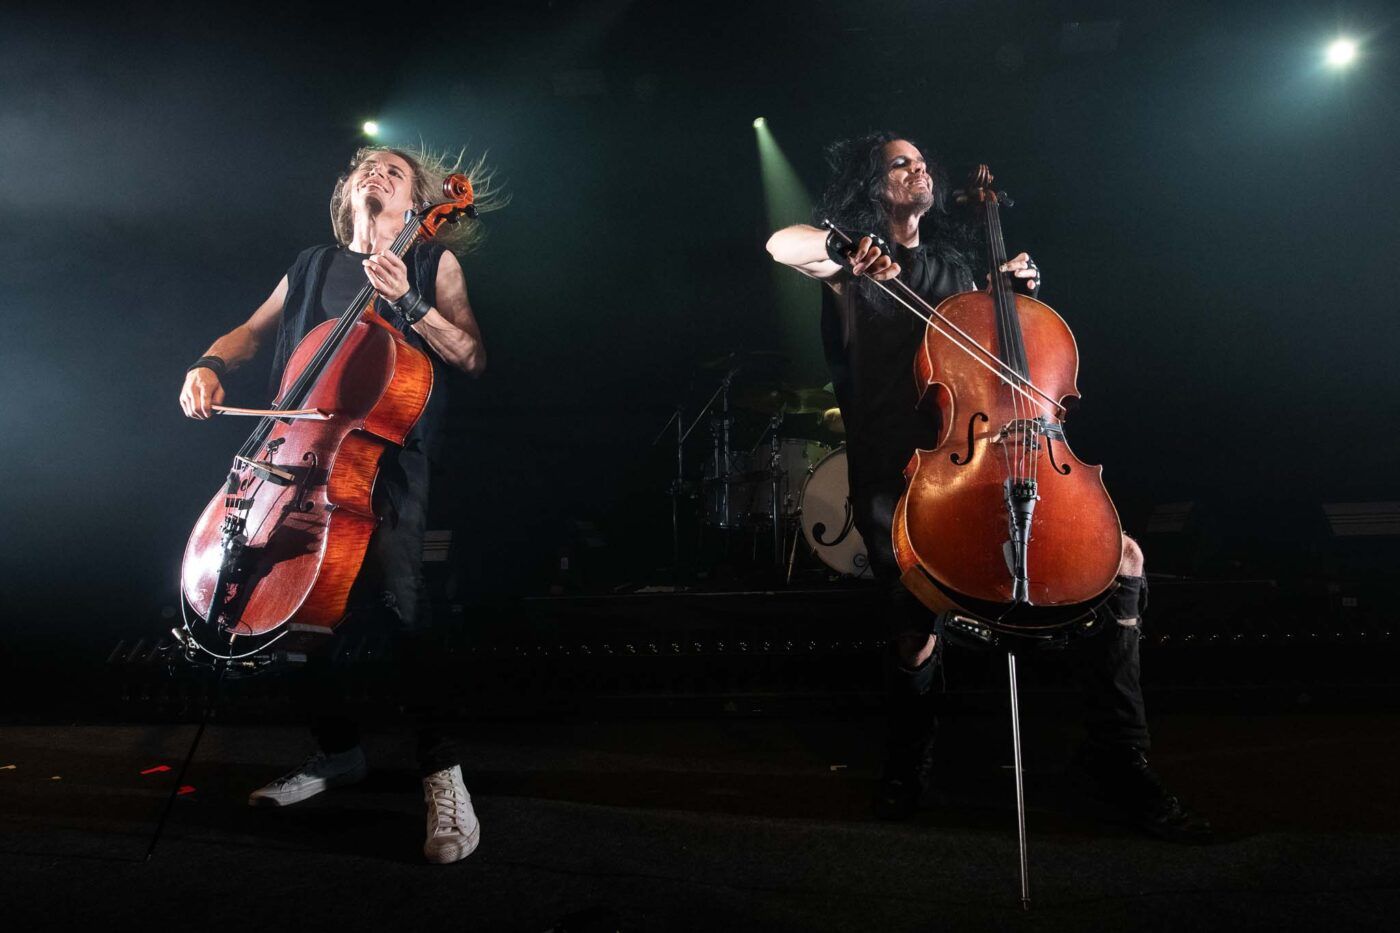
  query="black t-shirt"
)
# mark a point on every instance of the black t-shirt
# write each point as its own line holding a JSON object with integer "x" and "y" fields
{"x": 345, "y": 276}
{"x": 870, "y": 342}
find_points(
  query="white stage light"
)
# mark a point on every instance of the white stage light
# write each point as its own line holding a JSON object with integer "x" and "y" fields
{"x": 1341, "y": 52}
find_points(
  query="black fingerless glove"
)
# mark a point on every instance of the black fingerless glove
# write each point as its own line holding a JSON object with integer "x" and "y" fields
{"x": 837, "y": 250}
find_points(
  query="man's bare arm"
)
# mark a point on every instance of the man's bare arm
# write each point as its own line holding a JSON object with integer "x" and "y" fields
{"x": 202, "y": 389}
{"x": 803, "y": 247}
{"x": 450, "y": 328}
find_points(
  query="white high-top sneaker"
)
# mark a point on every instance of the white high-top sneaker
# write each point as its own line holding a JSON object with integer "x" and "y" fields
{"x": 453, "y": 829}
{"x": 318, "y": 773}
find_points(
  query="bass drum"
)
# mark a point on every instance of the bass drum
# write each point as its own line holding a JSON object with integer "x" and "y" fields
{"x": 828, "y": 522}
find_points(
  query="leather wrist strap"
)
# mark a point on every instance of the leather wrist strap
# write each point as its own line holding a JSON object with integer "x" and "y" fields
{"x": 412, "y": 306}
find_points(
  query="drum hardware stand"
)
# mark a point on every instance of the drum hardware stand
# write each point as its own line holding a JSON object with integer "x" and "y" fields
{"x": 775, "y": 478}
{"x": 677, "y": 488}
{"x": 719, "y": 436}
{"x": 721, "y": 441}
{"x": 777, "y": 506}
{"x": 792, "y": 551}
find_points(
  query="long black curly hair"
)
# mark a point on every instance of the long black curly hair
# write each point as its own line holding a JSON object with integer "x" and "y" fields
{"x": 854, "y": 199}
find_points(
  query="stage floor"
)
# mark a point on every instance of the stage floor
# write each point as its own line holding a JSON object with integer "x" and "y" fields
{"x": 715, "y": 824}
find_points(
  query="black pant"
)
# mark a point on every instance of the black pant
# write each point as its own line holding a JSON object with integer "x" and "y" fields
{"x": 1106, "y": 659}
{"x": 389, "y": 600}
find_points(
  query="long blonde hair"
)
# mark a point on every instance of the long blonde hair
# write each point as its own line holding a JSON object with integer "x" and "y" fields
{"x": 429, "y": 169}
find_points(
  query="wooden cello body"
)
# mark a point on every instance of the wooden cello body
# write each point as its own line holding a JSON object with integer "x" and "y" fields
{"x": 308, "y": 525}
{"x": 1001, "y": 520}
{"x": 273, "y": 556}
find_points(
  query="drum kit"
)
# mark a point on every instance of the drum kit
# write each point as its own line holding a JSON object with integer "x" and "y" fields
{"x": 773, "y": 486}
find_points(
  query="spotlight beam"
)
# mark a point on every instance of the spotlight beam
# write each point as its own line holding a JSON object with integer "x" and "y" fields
{"x": 796, "y": 297}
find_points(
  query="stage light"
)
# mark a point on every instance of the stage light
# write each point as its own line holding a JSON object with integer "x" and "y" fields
{"x": 1341, "y": 53}
{"x": 759, "y": 123}
{"x": 371, "y": 128}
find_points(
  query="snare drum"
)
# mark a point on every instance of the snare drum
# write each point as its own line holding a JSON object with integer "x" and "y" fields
{"x": 828, "y": 522}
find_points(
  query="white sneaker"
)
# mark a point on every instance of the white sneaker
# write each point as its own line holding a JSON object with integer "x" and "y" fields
{"x": 453, "y": 829}
{"x": 318, "y": 773}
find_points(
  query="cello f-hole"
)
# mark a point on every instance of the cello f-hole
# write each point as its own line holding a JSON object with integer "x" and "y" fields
{"x": 1050, "y": 448}
{"x": 971, "y": 426}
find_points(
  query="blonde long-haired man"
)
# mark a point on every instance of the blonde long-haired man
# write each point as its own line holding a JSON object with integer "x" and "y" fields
{"x": 424, "y": 294}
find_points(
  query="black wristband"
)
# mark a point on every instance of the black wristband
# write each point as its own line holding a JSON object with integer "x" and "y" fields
{"x": 411, "y": 306}
{"x": 212, "y": 363}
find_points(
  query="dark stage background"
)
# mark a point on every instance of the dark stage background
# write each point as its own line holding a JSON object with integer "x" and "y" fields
{"x": 1212, "y": 208}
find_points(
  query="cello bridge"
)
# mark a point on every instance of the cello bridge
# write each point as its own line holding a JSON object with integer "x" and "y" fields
{"x": 1022, "y": 431}
{"x": 1028, "y": 431}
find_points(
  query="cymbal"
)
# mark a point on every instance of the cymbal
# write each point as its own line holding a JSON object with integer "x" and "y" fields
{"x": 793, "y": 400}
{"x": 833, "y": 421}
{"x": 739, "y": 357}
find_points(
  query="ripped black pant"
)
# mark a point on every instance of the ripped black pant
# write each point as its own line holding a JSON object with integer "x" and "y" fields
{"x": 389, "y": 600}
{"x": 1106, "y": 659}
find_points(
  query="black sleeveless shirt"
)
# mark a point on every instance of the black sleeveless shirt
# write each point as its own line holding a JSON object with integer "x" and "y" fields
{"x": 321, "y": 284}
{"x": 870, "y": 342}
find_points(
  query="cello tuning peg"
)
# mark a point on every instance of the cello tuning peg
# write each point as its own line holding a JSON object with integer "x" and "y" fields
{"x": 1005, "y": 199}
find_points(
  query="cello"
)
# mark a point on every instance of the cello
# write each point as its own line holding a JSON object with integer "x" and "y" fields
{"x": 274, "y": 554}
{"x": 1000, "y": 520}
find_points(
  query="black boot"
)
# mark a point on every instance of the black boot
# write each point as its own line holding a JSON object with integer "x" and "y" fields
{"x": 1121, "y": 778}
{"x": 913, "y": 726}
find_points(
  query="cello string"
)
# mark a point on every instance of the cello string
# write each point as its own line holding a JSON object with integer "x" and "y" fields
{"x": 1015, "y": 339}
{"x": 1005, "y": 342}
{"x": 347, "y": 320}
{"x": 302, "y": 386}
{"x": 972, "y": 348}
{"x": 931, "y": 322}
{"x": 301, "y": 390}
{"x": 315, "y": 368}
{"x": 1007, "y": 373}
